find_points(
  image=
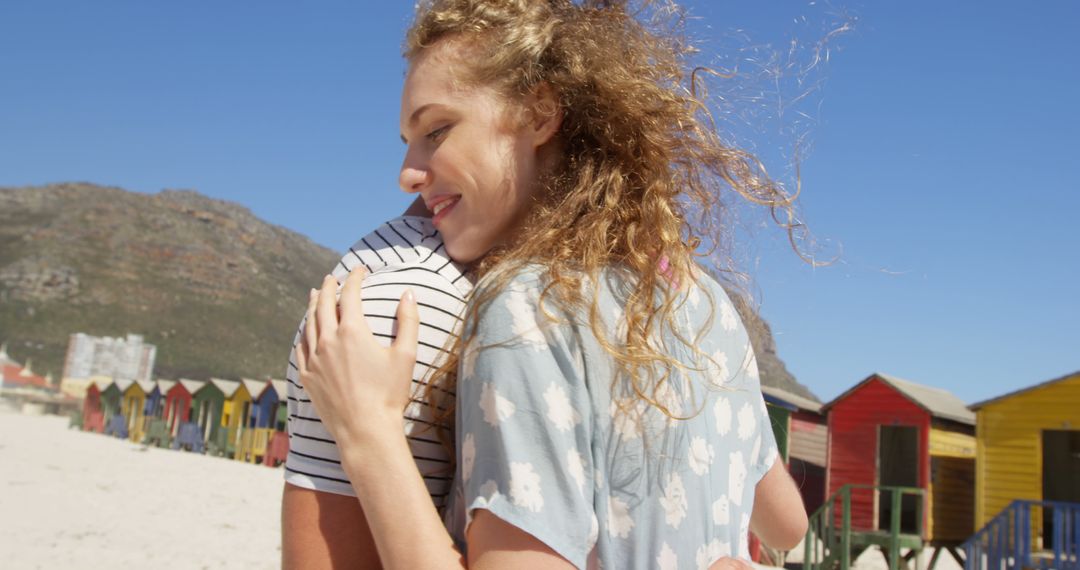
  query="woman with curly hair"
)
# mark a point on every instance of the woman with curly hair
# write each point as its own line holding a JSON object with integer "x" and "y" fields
{"x": 605, "y": 397}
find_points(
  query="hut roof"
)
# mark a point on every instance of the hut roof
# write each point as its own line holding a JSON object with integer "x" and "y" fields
{"x": 938, "y": 402}
{"x": 102, "y": 382}
{"x": 281, "y": 387}
{"x": 147, "y": 385}
{"x": 165, "y": 385}
{"x": 978, "y": 405}
{"x": 191, "y": 386}
{"x": 124, "y": 384}
{"x": 254, "y": 387}
{"x": 799, "y": 402}
{"x": 227, "y": 387}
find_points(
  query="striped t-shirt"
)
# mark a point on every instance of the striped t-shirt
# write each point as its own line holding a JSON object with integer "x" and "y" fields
{"x": 406, "y": 252}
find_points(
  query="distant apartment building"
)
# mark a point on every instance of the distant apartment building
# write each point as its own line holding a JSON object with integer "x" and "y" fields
{"x": 128, "y": 358}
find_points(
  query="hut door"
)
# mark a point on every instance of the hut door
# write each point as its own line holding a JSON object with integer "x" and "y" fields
{"x": 1061, "y": 474}
{"x": 898, "y": 466}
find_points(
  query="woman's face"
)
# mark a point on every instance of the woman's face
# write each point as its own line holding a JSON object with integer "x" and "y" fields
{"x": 473, "y": 162}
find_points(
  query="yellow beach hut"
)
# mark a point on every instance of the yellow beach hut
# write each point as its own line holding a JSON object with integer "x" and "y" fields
{"x": 133, "y": 406}
{"x": 1028, "y": 474}
{"x": 254, "y": 436}
{"x": 236, "y": 405}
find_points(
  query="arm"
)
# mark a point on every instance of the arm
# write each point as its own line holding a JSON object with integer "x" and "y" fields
{"x": 324, "y": 530}
{"x": 779, "y": 517}
{"x": 348, "y": 375}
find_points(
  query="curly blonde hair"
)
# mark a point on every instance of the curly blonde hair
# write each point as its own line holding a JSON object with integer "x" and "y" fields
{"x": 642, "y": 168}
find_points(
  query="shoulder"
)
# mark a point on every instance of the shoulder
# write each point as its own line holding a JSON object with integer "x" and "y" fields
{"x": 407, "y": 250}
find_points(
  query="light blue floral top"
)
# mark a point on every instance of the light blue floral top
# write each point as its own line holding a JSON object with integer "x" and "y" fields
{"x": 550, "y": 442}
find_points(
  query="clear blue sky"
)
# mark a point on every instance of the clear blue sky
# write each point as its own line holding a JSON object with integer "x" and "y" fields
{"x": 943, "y": 159}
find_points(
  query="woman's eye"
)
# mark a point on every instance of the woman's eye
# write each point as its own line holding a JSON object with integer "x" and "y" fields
{"x": 437, "y": 133}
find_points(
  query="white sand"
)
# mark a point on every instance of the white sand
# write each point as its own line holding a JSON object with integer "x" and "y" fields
{"x": 71, "y": 499}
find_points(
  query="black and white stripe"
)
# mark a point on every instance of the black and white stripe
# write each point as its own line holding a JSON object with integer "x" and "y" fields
{"x": 403, "y": 253}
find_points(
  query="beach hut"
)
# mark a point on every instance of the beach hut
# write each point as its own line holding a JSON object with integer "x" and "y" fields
{"x": 241, "y": 405}
{"x": 257, "y": 429}
{"x": 1029, "y": 454}
{"x": 800, "y": 425}
{"x": 889, "y": 432}
{"x": 236, "y": 410}
{"x": 133, "y": 407}
{"x": 93, "y": 412}
{"x": 155, "y": 397}
{"x": 186, "y": 417}
{"x": 207, "y": 405}
{"x": 156, "y": 429}
{"x": 178, "y": 403}
{"x": 112, "y": 407}
{"x": 281, "y": 416}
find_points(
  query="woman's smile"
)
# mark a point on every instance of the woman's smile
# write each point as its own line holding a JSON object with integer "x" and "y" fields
{"x": 440, "y": 207}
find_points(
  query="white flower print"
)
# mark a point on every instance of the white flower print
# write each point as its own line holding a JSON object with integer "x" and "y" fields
{"x": 525, "y": 486}
{"x": 721, "y": 511}
{"x": 711, "y": 552}
{"x": 576, "y": 468}
{"x": 526, "y": 325}
{"x": 669, "y": 397}
{"x": 667, "y": 560}
{"x": 626, "y": 422}
{"x": 468, "y": 457}
{"x": 736, "y": 477}
{"x": 722, "y": 409}
{"x": 701, "y": 455}
{"x": 619, "y": 521}
{"x": 747, "y": 421}
{"x": 749, "y": 363}
{"x": 559, "y": 410}
{"x": 728, "y": 319}
{"x": 674, "y": 500}
{"x": 755, "y": 452}
{"x": 496, "y": 408}
{"x": 487, "y": 495}
{"x": 719, "y": 368}
{"x": 693, "y": 295}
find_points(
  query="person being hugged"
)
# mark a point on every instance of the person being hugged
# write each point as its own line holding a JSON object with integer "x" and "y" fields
{"x": 607, "y": 410}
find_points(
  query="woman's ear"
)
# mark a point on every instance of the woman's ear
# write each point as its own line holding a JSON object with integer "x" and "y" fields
{"x": 546, "y": 115}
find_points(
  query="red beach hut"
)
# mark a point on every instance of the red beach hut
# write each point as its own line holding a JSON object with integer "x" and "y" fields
{"x": 93, "y": 415}
{"x": 886, "y": 431}
{"x": 178, "y": 403}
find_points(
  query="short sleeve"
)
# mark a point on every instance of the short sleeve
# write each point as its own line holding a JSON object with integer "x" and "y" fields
{"x": 524, "y": 424}
{"x": 765, "y": 450}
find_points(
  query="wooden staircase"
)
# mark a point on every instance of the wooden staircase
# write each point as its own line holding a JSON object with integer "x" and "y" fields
{"x": 1043, "y": 535}
{"x": 833, "y": 542}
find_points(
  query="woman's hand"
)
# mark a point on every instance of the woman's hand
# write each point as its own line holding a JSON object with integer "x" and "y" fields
{"x": 359, "y": 388}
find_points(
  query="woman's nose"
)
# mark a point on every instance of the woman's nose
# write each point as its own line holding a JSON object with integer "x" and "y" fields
{"x": 414, "y": 176}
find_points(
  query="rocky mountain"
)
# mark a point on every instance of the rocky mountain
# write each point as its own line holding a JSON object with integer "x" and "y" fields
{"x": 218, "y": 290}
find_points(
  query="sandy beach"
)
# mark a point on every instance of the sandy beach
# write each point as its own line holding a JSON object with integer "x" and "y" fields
{"x": 72, "y": 499}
